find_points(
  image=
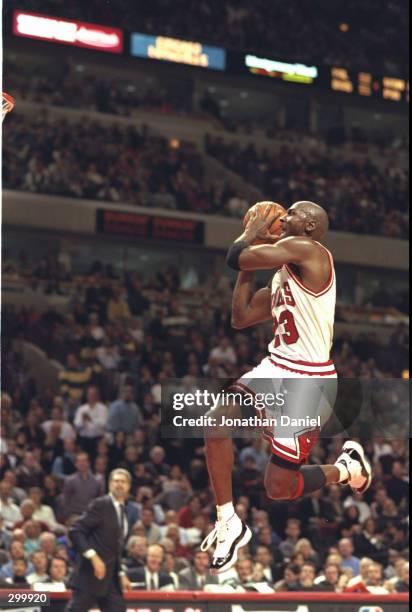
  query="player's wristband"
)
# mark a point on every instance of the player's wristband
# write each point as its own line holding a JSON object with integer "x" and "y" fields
{"x": 233, "y": 254}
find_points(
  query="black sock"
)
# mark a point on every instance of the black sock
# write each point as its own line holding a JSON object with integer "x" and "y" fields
{"x": 314, "y": 478}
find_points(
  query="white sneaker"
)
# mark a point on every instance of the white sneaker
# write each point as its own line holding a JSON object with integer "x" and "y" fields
{"x": 359, "y": 468}
{"x": 230, "y": 535}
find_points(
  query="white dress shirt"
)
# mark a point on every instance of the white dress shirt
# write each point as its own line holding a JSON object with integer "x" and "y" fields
{"x": 151, "y": 577}
{"x": 98, "y": 414}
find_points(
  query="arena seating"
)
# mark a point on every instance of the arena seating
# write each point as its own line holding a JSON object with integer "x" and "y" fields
{"x": 375, "y": 37}
{"x": 129, "y": 331}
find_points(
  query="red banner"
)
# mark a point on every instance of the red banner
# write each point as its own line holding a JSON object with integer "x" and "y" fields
{"x": 75, "y": 33}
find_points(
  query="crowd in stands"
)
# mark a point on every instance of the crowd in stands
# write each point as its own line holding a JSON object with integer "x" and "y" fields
{"x": 80, "y": 88}
{"x": 370, "y": 36}
{"x": 77, "y": 86}
{"x": 362, "y": 198}
{"x": 119, "y": 340}
{"x": 89, "y": 159}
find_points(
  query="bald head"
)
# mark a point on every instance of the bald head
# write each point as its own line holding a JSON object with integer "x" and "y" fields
{"x": 305, "y": 218}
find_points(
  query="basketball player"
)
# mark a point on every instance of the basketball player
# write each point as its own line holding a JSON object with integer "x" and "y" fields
{"x": 301, "y": 302}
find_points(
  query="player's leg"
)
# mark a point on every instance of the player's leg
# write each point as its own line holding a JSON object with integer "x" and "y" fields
{"x": 230, "y": 532}
{"x": 287, "y": 480}
{"x": 220, "y": 457}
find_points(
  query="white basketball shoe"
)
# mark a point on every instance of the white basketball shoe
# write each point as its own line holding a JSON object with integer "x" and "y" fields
{"x": 359, "y": 469}
{"x": 230, "y": 535}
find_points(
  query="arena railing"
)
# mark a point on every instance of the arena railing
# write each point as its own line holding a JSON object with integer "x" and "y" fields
{"x": 199, "y": 601}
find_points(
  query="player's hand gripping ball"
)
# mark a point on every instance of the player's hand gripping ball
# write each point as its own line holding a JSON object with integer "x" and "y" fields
{"x": 266, "y": 210}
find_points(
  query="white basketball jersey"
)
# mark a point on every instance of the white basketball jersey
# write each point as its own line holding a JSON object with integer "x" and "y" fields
{"x": 302, "y": 322}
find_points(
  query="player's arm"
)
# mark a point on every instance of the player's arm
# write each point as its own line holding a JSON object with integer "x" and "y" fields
{"x": 249, "y": 308}
{"x": 243, "y": 256}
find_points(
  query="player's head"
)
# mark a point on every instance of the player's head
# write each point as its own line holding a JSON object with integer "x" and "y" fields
{"x": 305, "y": 219}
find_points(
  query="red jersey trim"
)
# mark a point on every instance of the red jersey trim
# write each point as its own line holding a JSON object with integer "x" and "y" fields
{"x": 286, "y": 454}
{"x": 328, "y": 283}
{"x": 280, "y": 365}
{"x": 308, "y": 363}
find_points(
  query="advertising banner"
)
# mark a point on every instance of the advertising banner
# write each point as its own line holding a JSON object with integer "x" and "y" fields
{"x": 74, "y": 33}
{"x": 176, "y": 50}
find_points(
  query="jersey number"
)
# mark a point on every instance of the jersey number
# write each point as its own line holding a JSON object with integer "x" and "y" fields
{"x": 290, "y": 334}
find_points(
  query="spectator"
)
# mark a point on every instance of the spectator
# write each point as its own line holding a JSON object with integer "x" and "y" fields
{"x": 29, "y": 473}
{"x": 48, "y": 543}
{"x": 397, "y": 486}
{"x": 16, "y": 552}
{"x": 136, "y": 551}
{"x": 187, "y": 513}
{"x": 293, "y": 532}
{"x": 124, "y": 413}
{"x": 32, "y": 531}
{"x": 306, "y": 578}
{"x": 40, "y": 564}
{"x": 108, "y": 356}
{"x": 117, "y": 307}
{"x": 195, "y": 577}
{"x": 66, "y": 430}
{"x": 345, "y": 547}
{"x": 17, "y": 494}
{"x": 34, "y": 434}
{"x": 19, "y": 571}
{"x": 42, "y": 512}
{"x": 74, "y": 379}
{"x": 290, "y": 578}
{"x": 150, "y": 529}
{"x": 374, "y": 583}
{"x": 9, "y": 510}
{"x": 369, "y": 543}
{"x": 171, "y": 565}
{"x": 65, "y": 465}
{"x": 402, "y": 585}
{"x": 264, "y": 556}
{"x": 80, "y": 488}
{"x": 359, "y": 503}
{"x": 223, "y": 354}
{"x": 257, "y": 452}
{"x": 151, "y": 577}
{"x": 305, "y": 547}
{"x": 90, "y": 420}
{"x": 157, "y": 465}
{"x": 331, "y": 581}
{"x": 58, "y": 575}
{"x": 27, "y": 509}
{"x": 244, "y": 573}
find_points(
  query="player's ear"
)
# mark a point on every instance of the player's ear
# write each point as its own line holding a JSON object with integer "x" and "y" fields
{"x": 311, "y": 226}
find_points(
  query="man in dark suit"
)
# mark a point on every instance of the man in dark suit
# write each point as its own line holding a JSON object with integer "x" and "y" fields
{"x": 99, "y": 536}
{"x": 150, "y": 577}
{"x": 195, "y": 578}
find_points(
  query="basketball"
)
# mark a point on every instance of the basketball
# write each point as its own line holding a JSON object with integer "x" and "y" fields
{"x": 261, "y": 208}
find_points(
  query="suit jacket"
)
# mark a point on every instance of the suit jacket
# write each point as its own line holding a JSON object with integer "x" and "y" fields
{"x": 97, "y": 528}
{"x": 138, "y": 574}
{"x": 188, "y": 580}
{"x": 132, "y": 512}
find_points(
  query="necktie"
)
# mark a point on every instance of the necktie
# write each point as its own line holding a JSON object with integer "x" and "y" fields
{"x": 152, "y": 585}
{"x": 200, "y": 582}
{"x": 122, "y": 525}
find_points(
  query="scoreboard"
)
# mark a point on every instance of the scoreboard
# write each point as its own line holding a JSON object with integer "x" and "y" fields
{"x": 336, "y": 78}
{"x": 367, "y": 85}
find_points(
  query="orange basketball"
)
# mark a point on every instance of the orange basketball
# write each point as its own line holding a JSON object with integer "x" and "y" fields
{"x": 261, "y": 208}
